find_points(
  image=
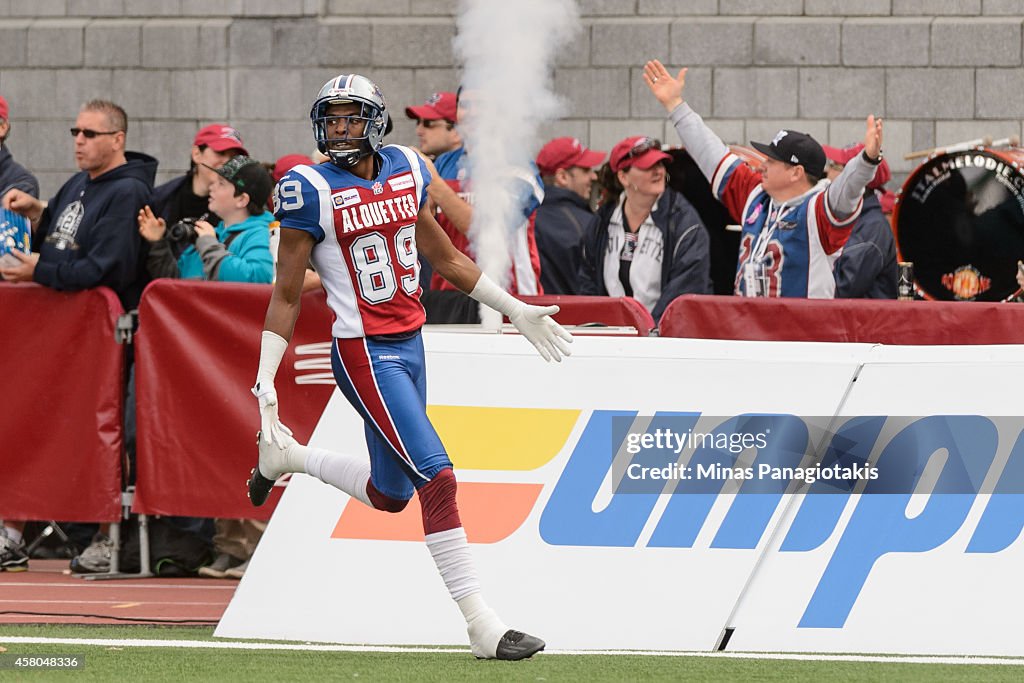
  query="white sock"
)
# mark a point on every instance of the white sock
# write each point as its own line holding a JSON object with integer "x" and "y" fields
{"x": 345, "y": 472}
{"x": 13, "y": 534}
{"x": 454, "y": 561}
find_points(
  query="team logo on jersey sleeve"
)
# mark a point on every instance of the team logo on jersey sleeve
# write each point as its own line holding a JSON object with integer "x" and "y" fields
{"x": 349, "y": 197}
{"x": 377, "y": 188}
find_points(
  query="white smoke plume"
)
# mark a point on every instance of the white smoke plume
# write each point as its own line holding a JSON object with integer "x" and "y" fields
{"x": 506, "y": 49}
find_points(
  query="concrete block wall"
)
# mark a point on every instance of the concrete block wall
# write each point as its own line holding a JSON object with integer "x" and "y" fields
{"x": 938, "y": 71}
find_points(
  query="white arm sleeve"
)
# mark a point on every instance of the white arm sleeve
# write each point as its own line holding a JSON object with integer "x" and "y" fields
{"x": 272, "y": 348}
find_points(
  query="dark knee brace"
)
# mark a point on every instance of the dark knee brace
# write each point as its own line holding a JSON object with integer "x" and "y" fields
{"x": 437, "y": 498}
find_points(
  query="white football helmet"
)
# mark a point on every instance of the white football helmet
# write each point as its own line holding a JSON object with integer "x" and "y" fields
{"x": 345, "y": 89}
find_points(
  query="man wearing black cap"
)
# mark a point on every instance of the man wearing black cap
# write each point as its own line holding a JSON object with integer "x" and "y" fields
{"x": 794, "y": 226}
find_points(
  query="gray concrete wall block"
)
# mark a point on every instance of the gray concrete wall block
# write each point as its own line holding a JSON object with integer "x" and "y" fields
{"x": 274, "y": 8}
{"x": 763, "y": 7}
{"x": 51, "y": 181}
{"x": 565, "y": 128}
{"x": 434, "y": 8}
{"x": 604, "y": 8}
{"x": 731, "y": 131}
{"x": 142, "y": 93}
{"x": 712, "y": 40}
{"x": 577, "y": 51}
{"x": 1002, "y": 7}
{"x": 169, "y": 141}
{"x": 367, "y": 8}
{"x": 78, "y": 86}
{"x": 976, "y": 42}
{"x": 886, "y": 42}
{"x": 56, "y": 42}
{"x": 674, "y": 8}
{"x": 698, "y": 93}
{"x": 936, "y": 7}
{"x": 152, "y": 8}
{"x": 923, "y": 135}
{"x": 1000, "y": 94}
{"x": 604, "y": 134}
{"x": 213, "y": 42}
{"x": 113, "y": 42}
{"x": 249, "y": 98}
{"x": 627, "y": 44}
{"x": 797, "y": 41}
{"x": 171, "y": 43}
{"x": 750, "y": 93}
{"x": 296, "y": 42}
{"x": 45, "y": 146}
{"x": 343, "y": 42}
{"x": 37, "y": 8}
{"x": 763, "y": 130}
{"x": 930, "y": 93}
{"x": 95, "y": 8}
{"x": 839, "y": 8}
{"x": 211, "y": 8}
{"x": 27, "y": 93}
{"x": 829, "y": 92}
{"x": 14, "y": 43}
{"x": 199, "y": 94}
{"x": 422, "y": 42}
{"x": 268, "y": 141}
{"x": 595, "y": 93}
{"x": 250, "y": 42}
{"x": 426, "y": 82}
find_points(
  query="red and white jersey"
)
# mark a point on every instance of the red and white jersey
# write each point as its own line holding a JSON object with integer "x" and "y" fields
{"x": 365, "y": 232}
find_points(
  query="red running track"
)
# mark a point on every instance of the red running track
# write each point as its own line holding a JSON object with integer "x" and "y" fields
{"x": 46, "y": 594}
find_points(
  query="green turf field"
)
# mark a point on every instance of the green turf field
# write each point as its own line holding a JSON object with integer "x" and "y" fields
{"x": 152, "y": 664}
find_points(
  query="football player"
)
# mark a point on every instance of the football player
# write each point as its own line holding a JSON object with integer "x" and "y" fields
{"x": 362, "y": 218}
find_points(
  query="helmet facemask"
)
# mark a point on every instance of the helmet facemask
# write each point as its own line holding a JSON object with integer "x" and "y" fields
{"x": 369, "y": 118}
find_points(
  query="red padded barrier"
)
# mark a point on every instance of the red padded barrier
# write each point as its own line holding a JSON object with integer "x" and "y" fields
{"x": 611, "y": 311}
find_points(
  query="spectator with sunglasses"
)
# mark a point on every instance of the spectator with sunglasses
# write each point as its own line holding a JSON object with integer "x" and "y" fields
{"x": 794, "y": 224}
{"x": 435, "y": 124}
{"x": 86, "y": 235}
{"x": 648, "y": 242}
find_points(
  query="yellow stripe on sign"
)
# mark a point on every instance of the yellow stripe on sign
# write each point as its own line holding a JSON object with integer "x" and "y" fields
{"x": 502, "y": 438}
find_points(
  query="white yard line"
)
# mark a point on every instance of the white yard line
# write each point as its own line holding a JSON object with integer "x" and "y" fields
{"x": 236, "y": 645}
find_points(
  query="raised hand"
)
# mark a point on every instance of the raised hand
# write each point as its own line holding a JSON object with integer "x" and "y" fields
{"x": 873, "y": 137}
{"x": 548, "y": 337}
{"x": 667, "y": 88}
{"x": 151, "y": 227}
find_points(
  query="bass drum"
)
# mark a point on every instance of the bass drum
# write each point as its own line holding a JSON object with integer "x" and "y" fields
{"x": 960, "y": 220}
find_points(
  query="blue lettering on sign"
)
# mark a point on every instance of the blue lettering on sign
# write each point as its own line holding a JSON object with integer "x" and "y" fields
{"x": 878, "y": 526}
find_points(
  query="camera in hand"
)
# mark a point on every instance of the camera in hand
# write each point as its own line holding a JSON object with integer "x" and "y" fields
{"x": 184, "y": 231}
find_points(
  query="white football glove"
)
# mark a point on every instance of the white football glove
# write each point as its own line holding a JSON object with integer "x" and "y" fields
{"x": 533, "y": 322}
{"x": 273, "y": 430}
{"x": 272, "y": 348}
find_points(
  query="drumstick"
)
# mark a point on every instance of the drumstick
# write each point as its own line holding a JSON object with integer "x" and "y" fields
{"x": 1012, "y": 141}
{"x": 957, "y": 147}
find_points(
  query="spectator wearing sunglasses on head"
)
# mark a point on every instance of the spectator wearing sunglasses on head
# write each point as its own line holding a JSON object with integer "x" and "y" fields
{"x": 86, "y": 236}
{"x": 649, "y": 242}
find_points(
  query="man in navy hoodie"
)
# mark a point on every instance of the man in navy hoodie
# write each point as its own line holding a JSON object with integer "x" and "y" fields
{"x": 86, "y": 235}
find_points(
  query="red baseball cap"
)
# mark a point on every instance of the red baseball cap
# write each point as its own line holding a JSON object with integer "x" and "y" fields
{"x": 287, "y": 163}
{"x": 566, "y": 153}
{"x": 220, "y": 137}
{"x": 640, "y": 151}
{"x": 3, "y": 108}
{"x": 843, "y": 156}
{"x": 440, "y": 105}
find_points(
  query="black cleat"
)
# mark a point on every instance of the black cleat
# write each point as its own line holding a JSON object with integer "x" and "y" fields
{"x": 259, "y": 486}
{"x": 516, "y": 645}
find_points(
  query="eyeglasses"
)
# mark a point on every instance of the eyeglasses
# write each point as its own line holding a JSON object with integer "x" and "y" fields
{"x": 90, "y": 134}
{"x": 642, "y": 146}
{"x": 432, "y": 123}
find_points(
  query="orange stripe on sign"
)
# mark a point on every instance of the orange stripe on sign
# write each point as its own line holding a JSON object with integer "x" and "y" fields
{"x": 489, "y": 512}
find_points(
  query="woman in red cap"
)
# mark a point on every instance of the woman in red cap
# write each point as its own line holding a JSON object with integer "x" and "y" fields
{"x": 649, "y": 242}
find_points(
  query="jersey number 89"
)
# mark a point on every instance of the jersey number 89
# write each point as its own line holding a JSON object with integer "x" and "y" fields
{"x": 372, "y": 261}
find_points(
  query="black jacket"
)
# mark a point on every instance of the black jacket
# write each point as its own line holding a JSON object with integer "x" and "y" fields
{"x": 88, "y": 235}
{"x": 14, "y": 176}
{"x": 867, "y": 267}
{"x": 563, "y": 219}
{"x": 685, "y": 269}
